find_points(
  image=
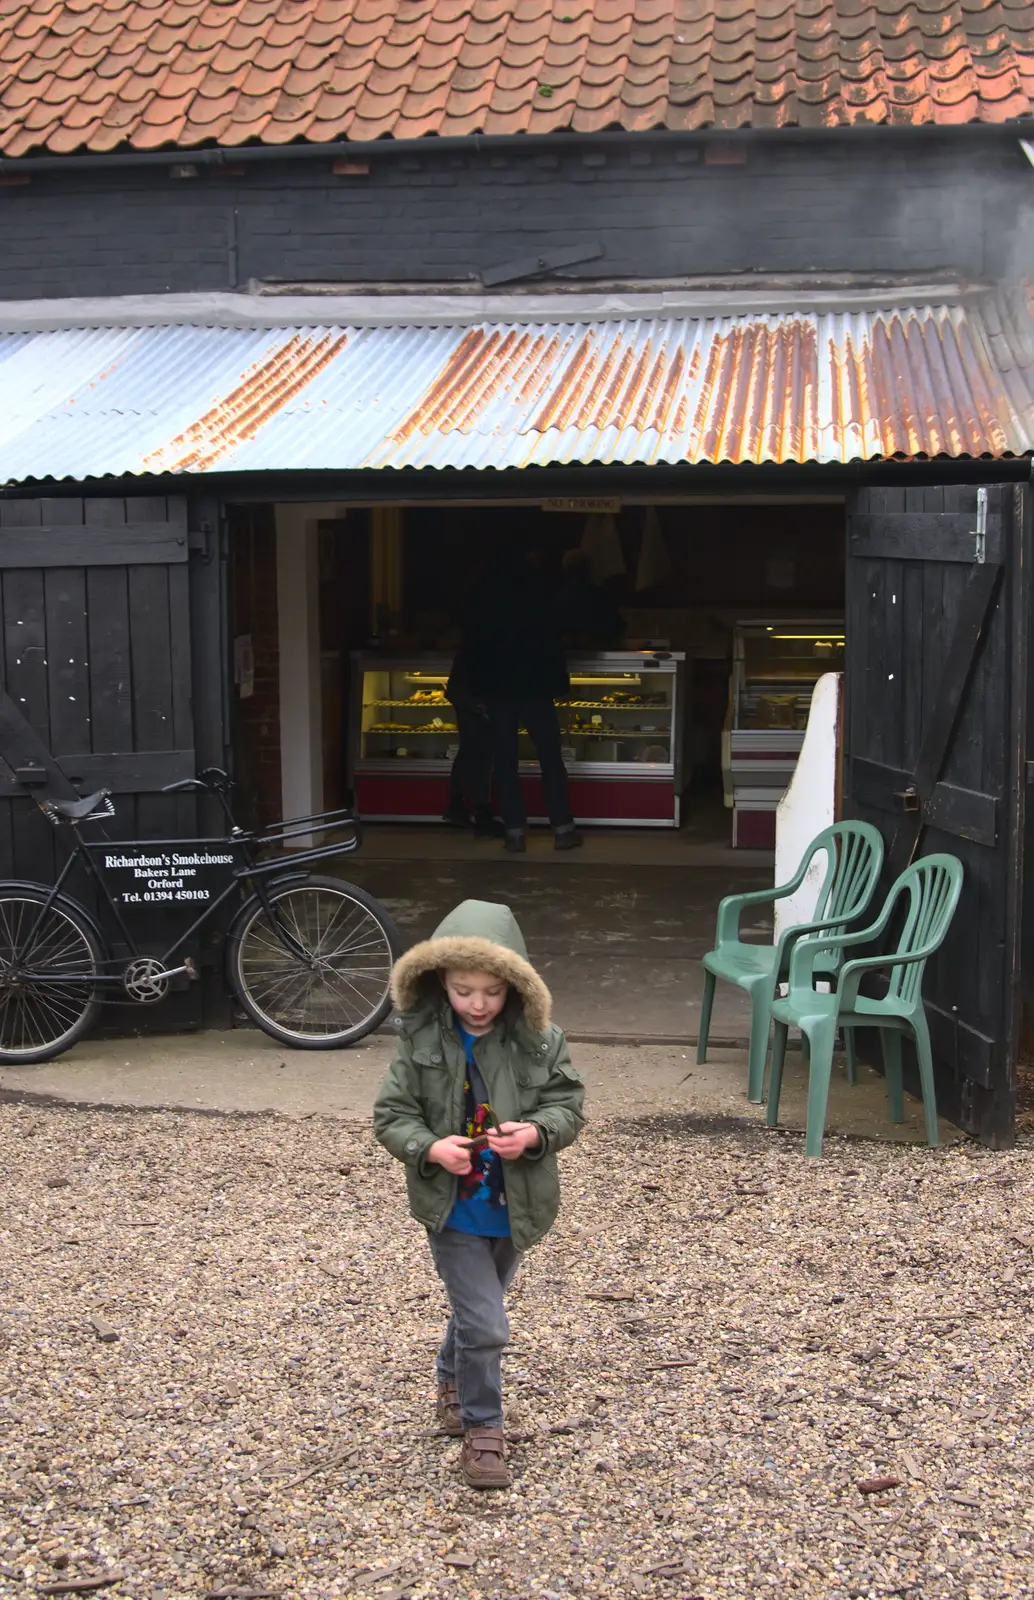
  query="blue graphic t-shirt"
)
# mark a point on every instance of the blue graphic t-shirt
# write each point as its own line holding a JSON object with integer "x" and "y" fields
{"x": 481, "y": 1202}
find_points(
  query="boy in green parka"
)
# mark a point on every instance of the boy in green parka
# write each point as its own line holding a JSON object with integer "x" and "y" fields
{"x": 478, "y": 1100}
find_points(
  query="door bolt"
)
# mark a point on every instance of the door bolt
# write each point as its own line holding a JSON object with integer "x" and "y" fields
{"x": 980, "y": 537}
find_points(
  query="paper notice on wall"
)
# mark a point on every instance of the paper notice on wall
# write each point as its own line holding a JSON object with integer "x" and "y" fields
{"x": 654, "y": 562}
{"x": 244, "y": 665}
{"x": 601, "y": 543}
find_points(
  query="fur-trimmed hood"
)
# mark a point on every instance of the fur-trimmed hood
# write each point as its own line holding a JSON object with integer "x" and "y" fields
{"x": 477, "y": 937}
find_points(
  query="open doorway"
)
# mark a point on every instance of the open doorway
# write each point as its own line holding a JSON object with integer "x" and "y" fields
{"x": 337, "y": 609}
{"x": 746, "y": 597}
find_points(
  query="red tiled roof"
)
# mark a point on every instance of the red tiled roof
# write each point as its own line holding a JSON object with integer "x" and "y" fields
{"x": 97, "y": 74}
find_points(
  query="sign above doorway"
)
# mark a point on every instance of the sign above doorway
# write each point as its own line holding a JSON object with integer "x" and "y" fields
{"x": 586, "y": 505}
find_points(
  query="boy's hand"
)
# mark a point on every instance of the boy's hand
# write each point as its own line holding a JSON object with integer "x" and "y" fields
{"x": 511, "y": 1139}
{"x": 452, "y": 1153}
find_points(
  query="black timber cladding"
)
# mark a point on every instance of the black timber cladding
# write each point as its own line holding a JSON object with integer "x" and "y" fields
{"x": 935, "y": 740}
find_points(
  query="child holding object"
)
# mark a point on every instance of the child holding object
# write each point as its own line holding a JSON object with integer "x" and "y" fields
{"x": 478, "y": 1100}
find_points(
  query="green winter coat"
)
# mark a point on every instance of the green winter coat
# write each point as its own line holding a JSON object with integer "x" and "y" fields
{"x": 524, "y": 1062}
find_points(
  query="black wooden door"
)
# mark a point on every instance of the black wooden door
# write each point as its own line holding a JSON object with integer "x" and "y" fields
{"x": 935, "y": 745}
{"x": 95, "y": 660}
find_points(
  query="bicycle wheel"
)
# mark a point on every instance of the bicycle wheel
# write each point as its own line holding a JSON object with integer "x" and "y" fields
{"x": 341, "y": 990}
{"x": 49, "y": 961}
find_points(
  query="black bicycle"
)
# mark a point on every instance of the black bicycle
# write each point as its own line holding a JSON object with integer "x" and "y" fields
{"x": 308, "y": 957}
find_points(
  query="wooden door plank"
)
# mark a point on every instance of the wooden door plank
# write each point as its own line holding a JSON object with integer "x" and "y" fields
{"x": 952, "y": 685}
{"x": 111, "y": 694}
{"x": 105, "y": 513}
{"x": 64, "y": 513}
{"x": 910, "y": 598}
{"x": 156, "y": 508}
{"x": 955, "y": 676}
{"x": 25, "y": 648}
{"x": 132, "y": 772}
{"x": 22, "y": 748}
{"x": 922, "y": 536}
{"x": 966, "y": 813}
{"x": 68, "y": 673}
{"x": 1017, "y": 589}
{"x": 182, "y": 731}
{"x": 53, "y": 545}
{"x": 150, "y": 638}
{"x": 7, "y": 855}
{"x": 892, "y": 655}
{"x": 964, "y": 1048}
{"x": 20, "y": 513}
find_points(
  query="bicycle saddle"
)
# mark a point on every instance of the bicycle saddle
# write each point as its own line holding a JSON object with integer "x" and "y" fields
{"x": 79, "y": 810}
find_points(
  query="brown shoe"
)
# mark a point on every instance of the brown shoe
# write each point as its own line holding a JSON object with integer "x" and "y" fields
{"x": 483, "y": 1459}
{"x": 447, "y": 1407}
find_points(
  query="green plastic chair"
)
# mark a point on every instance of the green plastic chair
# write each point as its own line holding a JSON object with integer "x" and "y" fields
{"x": 933, "y": 886}
{"x": 854, "y": 859}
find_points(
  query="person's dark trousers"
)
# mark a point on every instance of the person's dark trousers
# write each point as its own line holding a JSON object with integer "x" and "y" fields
{"x": 471, "y": 781}
{"x": 476, "y": 1273}
{"x": 540, "y": 719}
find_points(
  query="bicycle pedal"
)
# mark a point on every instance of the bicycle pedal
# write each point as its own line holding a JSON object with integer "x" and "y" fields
{"x": 191, "y": 969}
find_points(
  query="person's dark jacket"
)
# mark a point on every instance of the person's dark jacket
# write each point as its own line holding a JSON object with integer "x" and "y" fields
{"x": 512, "y": 649}
{"x": 588, "y": 616}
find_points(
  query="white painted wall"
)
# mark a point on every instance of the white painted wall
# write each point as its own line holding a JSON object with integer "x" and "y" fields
{"x": 298, "y": 618}
{"x": 809, "y": 804}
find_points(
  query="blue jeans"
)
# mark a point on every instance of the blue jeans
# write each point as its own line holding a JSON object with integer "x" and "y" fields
{"x": 476, "y": 1273}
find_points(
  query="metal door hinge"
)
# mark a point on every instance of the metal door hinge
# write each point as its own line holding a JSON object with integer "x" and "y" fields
{"x": 980, "y": 536}
{"x": 200, "y": 539}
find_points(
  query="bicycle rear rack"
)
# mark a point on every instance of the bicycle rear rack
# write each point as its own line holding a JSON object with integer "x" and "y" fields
{"x": 321, "y": 822}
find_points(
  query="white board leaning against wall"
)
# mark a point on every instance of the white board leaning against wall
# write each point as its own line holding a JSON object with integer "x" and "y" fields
{"x": 809, "y": 804}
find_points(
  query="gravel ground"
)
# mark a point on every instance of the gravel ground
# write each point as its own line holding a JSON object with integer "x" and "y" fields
{"x": 216, "y": 1341}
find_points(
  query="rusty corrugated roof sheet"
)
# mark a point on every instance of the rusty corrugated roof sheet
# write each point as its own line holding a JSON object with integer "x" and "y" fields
{"x": 787, "y": 387}
{"x": 99, "y": 74}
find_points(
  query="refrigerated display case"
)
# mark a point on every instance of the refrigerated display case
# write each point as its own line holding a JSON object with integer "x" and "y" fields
{"x": 620, "y": 726}
{"x": 776, "y": 665}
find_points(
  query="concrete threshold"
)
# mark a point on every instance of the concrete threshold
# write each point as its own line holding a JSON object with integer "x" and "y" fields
{"x": 245, "y": 1073}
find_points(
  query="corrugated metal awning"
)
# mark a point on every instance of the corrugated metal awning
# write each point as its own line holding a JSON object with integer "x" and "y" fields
{"x": 796, "y": 386}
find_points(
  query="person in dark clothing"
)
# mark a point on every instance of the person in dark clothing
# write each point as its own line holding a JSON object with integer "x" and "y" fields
{"x": 470, "y": 784}
{"x": 514, "y": 661}
{"x": 589, "y": 618}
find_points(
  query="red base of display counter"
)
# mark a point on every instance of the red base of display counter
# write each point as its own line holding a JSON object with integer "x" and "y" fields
{"x": 753, "y": 830}
{"x": 382, "y": 797}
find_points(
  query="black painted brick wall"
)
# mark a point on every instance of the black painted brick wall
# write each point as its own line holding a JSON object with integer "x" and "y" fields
{"x": 958, "y": 204}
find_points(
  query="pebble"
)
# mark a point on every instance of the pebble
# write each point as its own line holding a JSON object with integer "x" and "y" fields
{"x": 774, "y": 1368}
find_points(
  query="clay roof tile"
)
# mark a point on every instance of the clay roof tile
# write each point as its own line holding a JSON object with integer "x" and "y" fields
{"x": 430, "y": 72}
{"x": 419, "y": 116}
{"x": 94, "y": 73}
{"x": 332, "y": 104}
{"x": 17, "y": 96}
{"x": 521, "y": 35}
{"x": 205, "y": 109}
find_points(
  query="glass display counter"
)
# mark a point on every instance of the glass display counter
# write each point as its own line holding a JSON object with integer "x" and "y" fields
{"x": 776, "y": 665}
{"x": 619, "y": 726}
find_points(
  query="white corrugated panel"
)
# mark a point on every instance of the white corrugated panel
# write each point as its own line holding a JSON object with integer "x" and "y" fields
{"x": 786, "y": 387}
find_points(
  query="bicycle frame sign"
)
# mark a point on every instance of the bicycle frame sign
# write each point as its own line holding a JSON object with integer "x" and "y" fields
{"x": 181, "y": 873}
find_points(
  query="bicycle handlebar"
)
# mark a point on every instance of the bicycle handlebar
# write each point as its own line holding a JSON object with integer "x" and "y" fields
{"x": 212, "y": 779}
